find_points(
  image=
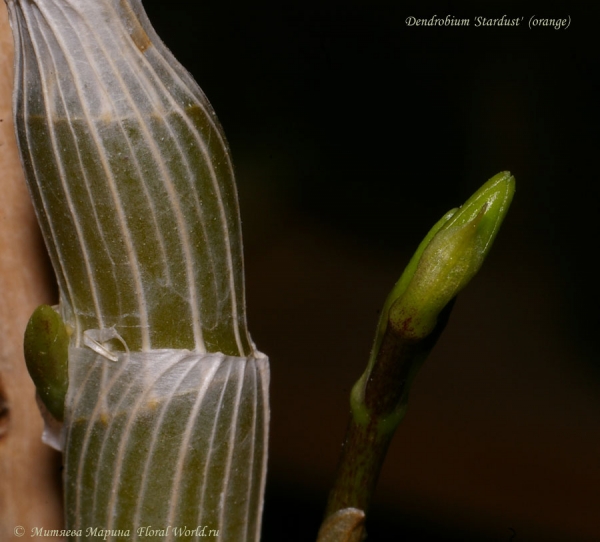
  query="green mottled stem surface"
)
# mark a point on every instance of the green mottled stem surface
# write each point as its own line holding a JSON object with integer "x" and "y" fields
{"x": 131, "y": 177}
{"x": 166, "y": 412}
{"x": 176, "y": 444}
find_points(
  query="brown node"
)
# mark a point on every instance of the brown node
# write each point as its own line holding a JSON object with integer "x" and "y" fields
{"x": 347, "y": 525}
{"x": 137, "y": 32}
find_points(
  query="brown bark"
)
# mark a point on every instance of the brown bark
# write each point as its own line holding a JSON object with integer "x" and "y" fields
{"x": 29, "y": 470}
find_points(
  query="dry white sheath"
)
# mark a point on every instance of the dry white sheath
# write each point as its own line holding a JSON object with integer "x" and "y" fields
{"x": 166, "y": 415}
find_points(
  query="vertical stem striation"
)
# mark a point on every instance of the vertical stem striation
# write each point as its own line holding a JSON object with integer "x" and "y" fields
{"x": 131, "y": 178}
{"x": 166, "y": 415}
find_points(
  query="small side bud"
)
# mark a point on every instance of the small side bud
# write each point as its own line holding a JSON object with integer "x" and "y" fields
{"x": 46, "y": 348}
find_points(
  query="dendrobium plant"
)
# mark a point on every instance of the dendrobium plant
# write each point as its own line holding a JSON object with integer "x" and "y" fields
{"x": 146, "y": 374}
{"x": 147, "y": 360}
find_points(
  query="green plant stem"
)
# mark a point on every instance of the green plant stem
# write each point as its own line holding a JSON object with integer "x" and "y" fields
{"x": 413, "y": 317}
{"x": 375, "y": 419}
{"x": 362, "y": 456}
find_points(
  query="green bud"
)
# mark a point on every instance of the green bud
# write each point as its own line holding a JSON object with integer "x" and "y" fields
{"x": 418, "y": 306}
{"x": 46, "y": 349}
{"x": 413, "y": 318}
{"x": 450, "y": 259}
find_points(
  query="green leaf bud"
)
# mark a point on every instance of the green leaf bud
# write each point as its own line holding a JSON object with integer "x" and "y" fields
{"x": 46, "y": 349}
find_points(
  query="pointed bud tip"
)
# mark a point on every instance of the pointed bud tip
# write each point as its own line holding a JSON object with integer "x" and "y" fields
{"x": 452, "y": 256}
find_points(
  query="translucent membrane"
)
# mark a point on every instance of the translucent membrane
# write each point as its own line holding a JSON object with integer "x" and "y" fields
{"x": 131, "y": 177}
{"x": 166, "y": 439}
{"x": 133, "y": 185}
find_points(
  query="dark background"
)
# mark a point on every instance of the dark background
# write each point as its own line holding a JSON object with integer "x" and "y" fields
{"x": 352, "y": 133}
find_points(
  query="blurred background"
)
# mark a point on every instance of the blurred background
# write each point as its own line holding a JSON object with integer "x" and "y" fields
{"x": 352, "y": 133}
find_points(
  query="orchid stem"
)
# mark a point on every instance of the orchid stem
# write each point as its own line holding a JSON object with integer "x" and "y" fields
{"x": 385, "y": 397}
{"x": 413, "y": 318}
